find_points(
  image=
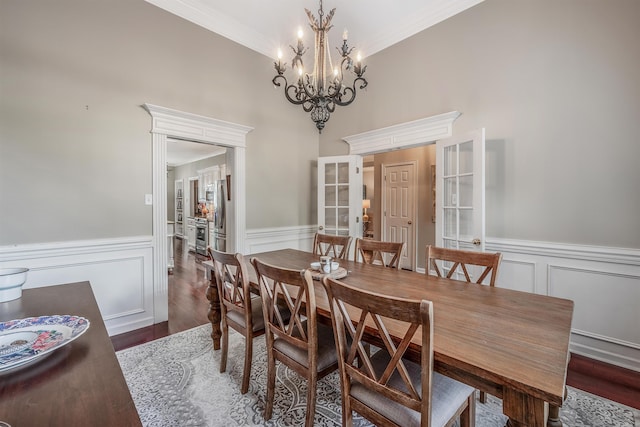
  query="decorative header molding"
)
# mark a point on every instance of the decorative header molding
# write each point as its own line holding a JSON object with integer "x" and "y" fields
{"x": 179, "y": 124}
{"x": 404, "y": 135}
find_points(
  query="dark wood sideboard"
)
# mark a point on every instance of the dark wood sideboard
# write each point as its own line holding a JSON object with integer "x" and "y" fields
{"x": 80, "y": 384}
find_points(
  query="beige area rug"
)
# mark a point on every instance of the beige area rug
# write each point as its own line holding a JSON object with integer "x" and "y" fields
{"x": 175, "y": 381}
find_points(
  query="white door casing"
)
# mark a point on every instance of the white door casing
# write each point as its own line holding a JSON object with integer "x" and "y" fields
{"x": 169, "y": 123}
{"x": 399, "y": 209}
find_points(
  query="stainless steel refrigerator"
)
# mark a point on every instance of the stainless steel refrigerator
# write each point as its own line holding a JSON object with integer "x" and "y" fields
{"x": 219, "y": 216}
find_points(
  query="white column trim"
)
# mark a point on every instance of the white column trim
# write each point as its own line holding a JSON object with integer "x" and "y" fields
{"x": 160, "y": 263}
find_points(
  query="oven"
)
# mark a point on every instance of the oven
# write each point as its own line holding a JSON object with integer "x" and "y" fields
{"x": 202, "y": 235}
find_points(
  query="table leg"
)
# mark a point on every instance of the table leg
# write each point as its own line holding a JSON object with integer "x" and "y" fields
{"x": 214, "y": 312}
{"x": 523, "y": 410}
{"x": 554, "y": 417}
{"x": 554, "y": 413}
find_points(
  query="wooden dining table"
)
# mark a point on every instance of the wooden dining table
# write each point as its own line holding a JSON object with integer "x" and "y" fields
{"x": 511, "y": 344}
{"x": 79, "y": 384}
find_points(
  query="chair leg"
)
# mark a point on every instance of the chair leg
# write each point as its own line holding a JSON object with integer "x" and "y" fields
{"x": 311, "y": 399}
{"x": 248, "y": 355}
{"x": 347, "y": 414}
{"x": 224, "y": 346}
{"x": 483, "y": 397}
{"x": 271, "y": 386}
{"x": 468, "y": 416}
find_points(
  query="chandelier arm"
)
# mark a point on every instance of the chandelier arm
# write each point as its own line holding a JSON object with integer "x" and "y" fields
{"x": 298, "y": 98}
{"x": 348, "y": 92}
{"x": 308, "y": 105}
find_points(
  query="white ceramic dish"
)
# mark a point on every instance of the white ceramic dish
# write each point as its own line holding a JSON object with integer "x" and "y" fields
{"x": 334, "y": 266}
{"x": 44, "y": 334}
{"x": 315, "y": 265}
{"x": 11, "y": 281}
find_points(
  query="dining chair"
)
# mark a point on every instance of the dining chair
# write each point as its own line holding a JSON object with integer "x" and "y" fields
{"x": 240, "y": 308}
{"x": 334, "y": 246}
{"x": 299, "y": 341}
{"x": 386, "y": 388}
{"x": 460, "y": 261}
{"x": 377, "y": 252}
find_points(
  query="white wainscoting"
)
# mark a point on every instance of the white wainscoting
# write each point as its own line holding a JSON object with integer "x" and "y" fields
{"x": 603, "y": 282}
{"x": 120, "y": 272}
{"x": 271, "y": 239}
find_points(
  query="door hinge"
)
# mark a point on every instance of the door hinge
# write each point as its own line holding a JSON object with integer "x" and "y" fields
{"x": 357, "y": 219}
{"x": 357, "y": 169}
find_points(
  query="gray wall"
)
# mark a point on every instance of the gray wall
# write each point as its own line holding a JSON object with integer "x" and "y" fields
{"x": 556, "y": 85}
{"x": 75, "y": 147}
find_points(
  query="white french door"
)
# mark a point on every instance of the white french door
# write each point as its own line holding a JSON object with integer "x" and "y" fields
{"x": 340, "y": 195}
{"x": 460, "y": 220}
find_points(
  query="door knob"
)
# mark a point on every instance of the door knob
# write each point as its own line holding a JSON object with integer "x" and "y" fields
{"x": 476, "y": 242}
{"x": 409, "y": 222}
{"x": 321, "y": 228}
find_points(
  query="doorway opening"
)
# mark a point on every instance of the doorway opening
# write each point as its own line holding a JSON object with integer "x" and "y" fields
{"x": 173, "y": 124}
{"x": 395, "y": 144}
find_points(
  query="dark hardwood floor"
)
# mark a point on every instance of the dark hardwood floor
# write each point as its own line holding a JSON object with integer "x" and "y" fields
{"x": 188, "y": 307}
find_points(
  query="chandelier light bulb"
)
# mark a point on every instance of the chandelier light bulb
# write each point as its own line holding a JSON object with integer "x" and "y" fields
{"x": 300, "y": 33}
{"x": 345, "y": 35}
{"x": 279, "y": 53}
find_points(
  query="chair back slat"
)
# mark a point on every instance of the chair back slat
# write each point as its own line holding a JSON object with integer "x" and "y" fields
{"x": 291, "y": 290}
{"x": 330, "y": 245}
{"x": 230, "y": 273}
{"x": 461, "y": 261}
{"x": 387, "y": 254}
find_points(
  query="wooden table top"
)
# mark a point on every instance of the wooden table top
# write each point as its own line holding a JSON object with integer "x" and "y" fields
{"x": 488, "y": 337}
{"x": 80, "y": 384}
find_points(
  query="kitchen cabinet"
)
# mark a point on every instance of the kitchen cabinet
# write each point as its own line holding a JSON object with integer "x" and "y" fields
{"x": 208, "y": 177}
{"x": 178, "y": 186}
{"x": 191, "y": 233}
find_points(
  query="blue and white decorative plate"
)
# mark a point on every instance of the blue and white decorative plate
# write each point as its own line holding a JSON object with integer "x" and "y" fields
{"x": 25, "y": 340}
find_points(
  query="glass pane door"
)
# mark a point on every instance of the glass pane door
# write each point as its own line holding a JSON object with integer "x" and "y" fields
{"x": 339, "y": 195}
{"x": 460, "y": 192}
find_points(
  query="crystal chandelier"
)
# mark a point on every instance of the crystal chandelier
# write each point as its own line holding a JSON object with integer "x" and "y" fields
{"x": 320, "y": 91}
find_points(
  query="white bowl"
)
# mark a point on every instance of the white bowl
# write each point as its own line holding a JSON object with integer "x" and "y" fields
{"x": 11, "y": 281}
{"x": 334, "y": 266}
{"x": 315, "y": 265}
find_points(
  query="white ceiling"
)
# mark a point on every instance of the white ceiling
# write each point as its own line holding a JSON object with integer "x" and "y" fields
{"x": 182, "y": 152}
{"x": 266, "y": 26}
